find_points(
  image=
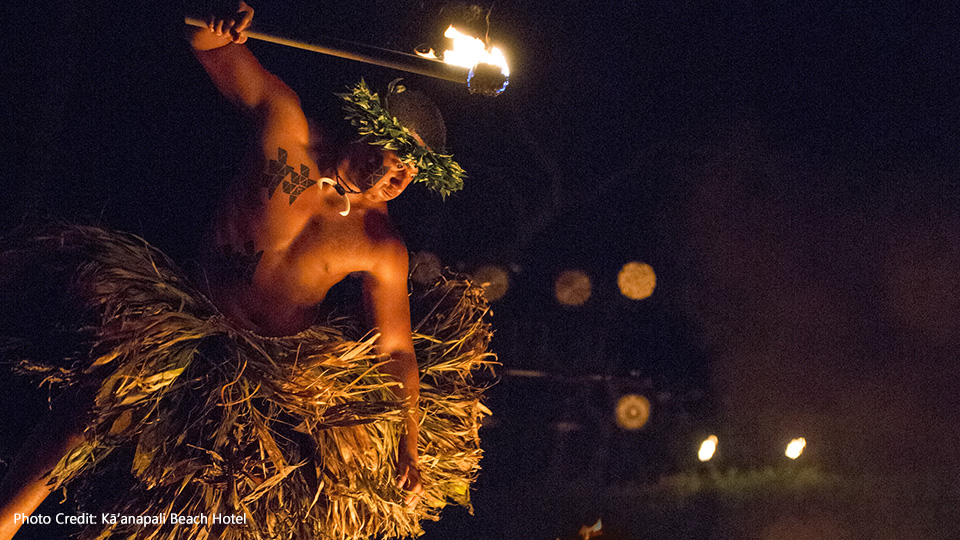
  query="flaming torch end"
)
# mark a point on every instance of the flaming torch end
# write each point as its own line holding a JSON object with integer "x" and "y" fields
{"x": 487, "y": 80}
{"x": 489, "y": 73}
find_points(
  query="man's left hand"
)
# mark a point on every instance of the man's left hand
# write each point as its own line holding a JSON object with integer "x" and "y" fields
{"x": 409, "y": 479}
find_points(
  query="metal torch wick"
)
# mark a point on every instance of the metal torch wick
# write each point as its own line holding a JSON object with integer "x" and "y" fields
{"x": 384, "y": 58}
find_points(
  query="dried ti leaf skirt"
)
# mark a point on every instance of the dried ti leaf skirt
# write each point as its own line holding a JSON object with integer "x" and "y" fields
{"x": 297, "y": 436}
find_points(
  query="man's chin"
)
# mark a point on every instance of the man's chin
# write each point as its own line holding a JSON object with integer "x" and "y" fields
{"x": 379, "y": 195}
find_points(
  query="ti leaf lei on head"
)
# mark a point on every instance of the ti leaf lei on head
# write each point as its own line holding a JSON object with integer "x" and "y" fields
{"x": 375, "y": 124}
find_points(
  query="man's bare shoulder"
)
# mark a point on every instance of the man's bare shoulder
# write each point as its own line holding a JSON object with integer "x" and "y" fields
{"x": 388, "y": 246}
{"x": 380, "y": 229}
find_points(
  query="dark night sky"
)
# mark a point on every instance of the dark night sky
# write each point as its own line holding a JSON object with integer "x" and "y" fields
{"x": 789, "y": 169}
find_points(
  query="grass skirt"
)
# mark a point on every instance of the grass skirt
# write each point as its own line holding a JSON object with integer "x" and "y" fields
{"x": 297, "y": 436}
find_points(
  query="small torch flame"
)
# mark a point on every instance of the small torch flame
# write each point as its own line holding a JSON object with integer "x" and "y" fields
{"x": 589, "y": 532}
{"x": 489, "y": 73}
{"x": 795, "y": 448}
{"x": 707, "y": 448}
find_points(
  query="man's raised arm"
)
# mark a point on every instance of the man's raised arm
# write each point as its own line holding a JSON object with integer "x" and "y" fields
{"x": 241, "y": 79}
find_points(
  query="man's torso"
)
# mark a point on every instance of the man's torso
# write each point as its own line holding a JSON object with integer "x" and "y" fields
{"x": 270, "y": 260}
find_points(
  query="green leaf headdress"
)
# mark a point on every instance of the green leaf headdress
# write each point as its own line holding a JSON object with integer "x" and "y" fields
{"x": 377, "y": 126}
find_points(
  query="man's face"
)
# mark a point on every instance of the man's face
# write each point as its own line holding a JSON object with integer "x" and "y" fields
{"x": 379, "y": 173}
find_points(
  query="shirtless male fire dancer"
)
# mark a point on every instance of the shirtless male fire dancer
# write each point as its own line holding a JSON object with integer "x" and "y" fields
{"x": 295, "y": 244}
{"x": 297, "y": 220}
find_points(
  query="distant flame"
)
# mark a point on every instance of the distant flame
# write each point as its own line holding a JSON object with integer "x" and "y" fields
{"x": 707, "y": 448}
{"x": 469, "y": 51}
{"x": 795, "y": 448}
{"x": 589, "y": 532}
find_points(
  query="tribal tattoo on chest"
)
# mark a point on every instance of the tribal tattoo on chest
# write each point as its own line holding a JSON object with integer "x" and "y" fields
{"x": 277, "y": 172}
{"x": 240, "y": 266}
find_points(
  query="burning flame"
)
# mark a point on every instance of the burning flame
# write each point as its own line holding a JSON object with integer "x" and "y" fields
{"x": 707, "y": 448}
{"x": 795, "y": 448}
{"x": 469, "y": 51}
{"x": 589, "y": 532}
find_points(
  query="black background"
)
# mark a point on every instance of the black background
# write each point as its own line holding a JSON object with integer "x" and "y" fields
{"x": 789, "y": 169}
